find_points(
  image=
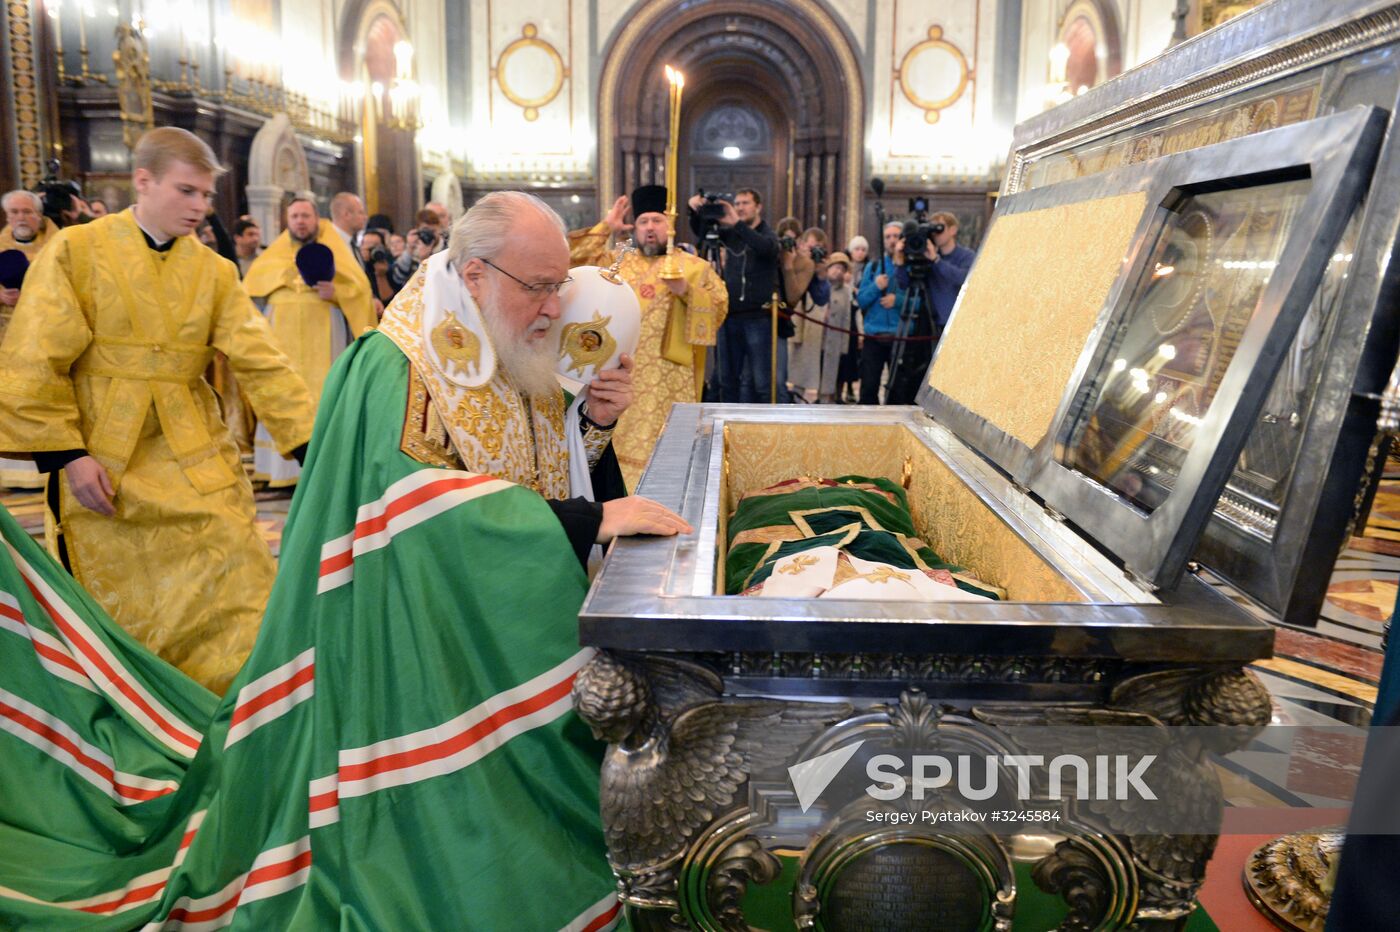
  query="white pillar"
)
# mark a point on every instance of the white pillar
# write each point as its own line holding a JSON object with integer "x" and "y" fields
{"x": 265, "y": 207}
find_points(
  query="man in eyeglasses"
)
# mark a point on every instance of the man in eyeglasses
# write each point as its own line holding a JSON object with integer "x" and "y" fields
{"x": 431, "y": 566}
{"x": 409, "y": 691}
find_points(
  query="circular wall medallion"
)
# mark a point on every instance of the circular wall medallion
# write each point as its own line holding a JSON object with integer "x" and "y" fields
{"x": 933, "y": 74}
{"x": 530, "y": 72}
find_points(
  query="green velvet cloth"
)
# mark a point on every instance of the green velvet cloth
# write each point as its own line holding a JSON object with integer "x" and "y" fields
{"x": 872, "y": 524}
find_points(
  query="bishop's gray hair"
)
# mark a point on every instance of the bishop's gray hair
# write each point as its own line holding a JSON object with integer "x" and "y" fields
{"x": 20, "y": 192}
{"x": 481, "y": 232}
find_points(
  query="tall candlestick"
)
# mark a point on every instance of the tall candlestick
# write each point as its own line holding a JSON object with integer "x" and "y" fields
{"x": 56, "y": 14}
{"x": 671, "y": 266}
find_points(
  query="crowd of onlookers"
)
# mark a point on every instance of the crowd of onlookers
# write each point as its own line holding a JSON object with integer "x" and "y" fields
{"x": 389, "y": 257}
{"x": 852, "y": 327}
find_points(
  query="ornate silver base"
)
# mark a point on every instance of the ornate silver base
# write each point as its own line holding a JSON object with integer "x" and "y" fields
{"x": 696, "y": 794}
{"x": 1289, "y": 879}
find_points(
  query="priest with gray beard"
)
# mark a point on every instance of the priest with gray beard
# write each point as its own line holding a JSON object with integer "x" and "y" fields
{"x": 477, "y": 324}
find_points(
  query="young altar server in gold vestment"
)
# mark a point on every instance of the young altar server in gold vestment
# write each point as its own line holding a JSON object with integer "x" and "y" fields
{"x": 313, "y": 324}
{"x": 679, "y": 319}
{"x": 101, "y": 375}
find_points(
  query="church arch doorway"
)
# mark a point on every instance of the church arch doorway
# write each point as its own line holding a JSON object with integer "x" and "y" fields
{"x": 786, "y": 63}
{"x": 375, "y": 53}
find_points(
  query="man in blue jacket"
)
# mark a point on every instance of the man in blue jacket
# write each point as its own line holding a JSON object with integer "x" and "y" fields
{"x": 950, "y": 264}
{"x": 945, "y": 278}
{"x": 880, "y": 298}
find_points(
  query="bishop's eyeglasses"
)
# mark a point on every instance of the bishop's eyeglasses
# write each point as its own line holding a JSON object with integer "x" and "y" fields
{"x": 535, "y": 289}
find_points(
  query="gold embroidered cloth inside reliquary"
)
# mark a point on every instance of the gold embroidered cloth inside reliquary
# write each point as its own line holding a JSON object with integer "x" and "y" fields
{"x": 1041, "y": 279}
{"x": 948, "y": 516}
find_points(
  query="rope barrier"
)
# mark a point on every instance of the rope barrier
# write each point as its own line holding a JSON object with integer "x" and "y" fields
{"x": 886, "y": 337}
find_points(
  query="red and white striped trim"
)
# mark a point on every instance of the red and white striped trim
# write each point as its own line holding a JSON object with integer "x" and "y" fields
{"x": 325, "y": 801}
{"x": 38, "y": 728}
{"x": 601, "y": 916}
{"x": 449, "y": 747}
{"x": 146, "y": 888}
{"x": 275, "y": 871}
{"x": 408, "y": 502}
{"x": 272, "y": 695}
{"x": 52, "y": 654}
{"x": 103, "y": 668}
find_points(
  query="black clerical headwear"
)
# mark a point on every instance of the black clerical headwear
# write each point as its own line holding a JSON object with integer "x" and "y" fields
{"x": 13, "y": 265}
{"x": 316, "y": 263}
{"x": 649, "y": 198}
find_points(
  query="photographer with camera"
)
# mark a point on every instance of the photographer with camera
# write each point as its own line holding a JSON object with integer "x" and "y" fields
{"x": 374, "y": 252}
{"x": 880, "y": 297}
{"x": 932, "y": 258}
{"x": 422, "y": 241}
{"x": 805, "y": 289}
{"x": 750, "y": 270}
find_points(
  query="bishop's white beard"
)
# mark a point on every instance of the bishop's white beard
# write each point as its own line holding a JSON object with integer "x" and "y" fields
{"x": 530, "y": 365}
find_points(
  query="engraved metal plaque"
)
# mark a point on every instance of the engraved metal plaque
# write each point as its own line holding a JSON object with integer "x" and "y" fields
{"x": 906, "y": 885}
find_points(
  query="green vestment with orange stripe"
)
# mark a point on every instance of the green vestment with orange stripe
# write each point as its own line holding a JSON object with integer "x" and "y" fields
{"x": 399, "y": 752}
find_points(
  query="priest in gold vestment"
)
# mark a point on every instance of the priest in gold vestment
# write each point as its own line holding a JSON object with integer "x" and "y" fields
{"x": 313, "y": 324}
{"x": 26, "y": 227}
{"x": 679, "y": 319}
{"x": 27, "y": 230}
{"x": 101, "y": 376}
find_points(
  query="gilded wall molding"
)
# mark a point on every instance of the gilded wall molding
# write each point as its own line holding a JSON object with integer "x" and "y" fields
{"x": 530, "y": 39}
{"x": 24, "y": 91}
{"x": 1276, "y": 61}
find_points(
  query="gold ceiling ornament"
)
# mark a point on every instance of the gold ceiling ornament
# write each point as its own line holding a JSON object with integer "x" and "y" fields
{"x": 132, "y": 63}
{"x": 922, "y": 97}
{"x": 530, "y": 39}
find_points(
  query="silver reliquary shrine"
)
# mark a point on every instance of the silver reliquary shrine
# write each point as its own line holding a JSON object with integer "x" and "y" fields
{"x": 1144, "y": 427}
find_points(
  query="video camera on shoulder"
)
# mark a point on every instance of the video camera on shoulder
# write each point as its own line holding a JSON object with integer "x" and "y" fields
{"x": 57, "y": 195}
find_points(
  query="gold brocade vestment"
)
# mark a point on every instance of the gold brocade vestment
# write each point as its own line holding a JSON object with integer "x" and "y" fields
{"x": 31, "y": 250}
{"x": 490, "y": 428}
{"x": 107, "y": 353}
{"x": 20, "y": 474}
{"x": 301, "y": 321}
{"x": 657, "y": 381}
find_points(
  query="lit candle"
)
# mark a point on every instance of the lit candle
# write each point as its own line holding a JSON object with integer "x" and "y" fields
{"x": 670, "y": 268}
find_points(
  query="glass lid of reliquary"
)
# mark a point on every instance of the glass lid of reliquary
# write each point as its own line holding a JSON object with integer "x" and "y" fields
{"x": 1119, "y": 333}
